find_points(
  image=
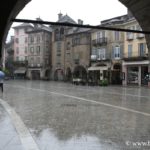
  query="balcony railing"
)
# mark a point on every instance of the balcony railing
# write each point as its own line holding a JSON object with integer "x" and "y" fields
{"x": 140, "y": 36}
{"x": 130, "y": 36}
{"x": 105, "y": 57}
{"x": 99, "y": 41}
{"x": 135, "y": 56}
{"x": 37, "y": 65}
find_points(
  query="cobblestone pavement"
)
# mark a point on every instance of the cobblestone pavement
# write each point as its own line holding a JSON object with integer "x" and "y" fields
{"x": 62, "y": 116}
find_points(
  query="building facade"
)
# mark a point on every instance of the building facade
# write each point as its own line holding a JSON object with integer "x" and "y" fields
{"x": 135, "y": 59}
{"x": 100, "y": 56}
{"x": 77, "y": 53}
{"x": 39, "y": 52}
{"x": 9, "y": 56}
{"x": 107, "y": 51}
{"x": 21, "y": 41}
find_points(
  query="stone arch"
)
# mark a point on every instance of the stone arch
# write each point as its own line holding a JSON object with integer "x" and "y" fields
{"x": 59, "y": 75}
{"x": 140, "y": 10}
{"x": 11, "y": 9}
{"x": 80, "y": 72}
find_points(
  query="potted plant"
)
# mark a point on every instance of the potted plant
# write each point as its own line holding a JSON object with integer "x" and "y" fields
{"x": 103, "y": 82}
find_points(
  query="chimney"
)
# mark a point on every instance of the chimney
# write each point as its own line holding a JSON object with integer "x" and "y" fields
{"x": 80, "y": 21}
{"x": 59, "y": 15}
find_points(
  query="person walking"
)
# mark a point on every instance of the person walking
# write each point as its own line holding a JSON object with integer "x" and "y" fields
{"x": 2, "y": 75}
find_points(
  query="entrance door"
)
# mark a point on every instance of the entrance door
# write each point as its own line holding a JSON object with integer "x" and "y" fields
{"x": 144, "y": 72}
{"x": 116, "y": 74}
{"x": 35, "y": 74}
{"x": 132, "y": 75}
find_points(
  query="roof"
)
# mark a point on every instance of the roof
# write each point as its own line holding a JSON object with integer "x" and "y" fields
{"x": 67, "y": 19}
{"x": 40, "y": 27}
{"x": 23, "y": 25}
{"x": 115, "y": 20}
{"x": 77, "y": 30}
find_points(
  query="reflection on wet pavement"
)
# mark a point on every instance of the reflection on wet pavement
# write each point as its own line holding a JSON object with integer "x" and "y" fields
{"x": 9, "y": 139}
{"x": 64, "y": 123}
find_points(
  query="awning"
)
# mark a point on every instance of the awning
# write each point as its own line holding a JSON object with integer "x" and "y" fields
{"x": 20, "y": 71}
{"x": 97, "y": 68}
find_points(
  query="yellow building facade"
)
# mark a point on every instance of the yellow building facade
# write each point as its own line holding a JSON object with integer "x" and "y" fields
{"x": 135, "y": 57}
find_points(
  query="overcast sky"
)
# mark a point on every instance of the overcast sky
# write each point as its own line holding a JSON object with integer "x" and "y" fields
{"x": 90, "y": 11}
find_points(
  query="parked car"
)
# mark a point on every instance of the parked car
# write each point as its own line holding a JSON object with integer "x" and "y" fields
{"x": 78, "y": 81}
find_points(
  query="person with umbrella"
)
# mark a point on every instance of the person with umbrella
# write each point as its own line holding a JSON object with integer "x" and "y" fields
{"x": 2, "y": 75}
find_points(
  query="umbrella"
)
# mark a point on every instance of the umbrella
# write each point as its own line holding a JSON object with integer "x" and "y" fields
{"x": 2, "y": 74}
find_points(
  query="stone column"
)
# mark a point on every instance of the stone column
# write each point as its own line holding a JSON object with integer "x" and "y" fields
{"x": 101, "y": 74}
{"x": 124, "y": 70}
{"x": 139, "y": 76}
{"x": 148, "y": 45}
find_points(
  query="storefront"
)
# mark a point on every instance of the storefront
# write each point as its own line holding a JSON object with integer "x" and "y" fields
{"x": 20, "y": 73}
{"x": 135, "y": 73}
{"x": 97, "y": 73}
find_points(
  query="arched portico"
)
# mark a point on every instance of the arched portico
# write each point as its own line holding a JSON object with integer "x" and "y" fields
{"x": 140, "y": 9}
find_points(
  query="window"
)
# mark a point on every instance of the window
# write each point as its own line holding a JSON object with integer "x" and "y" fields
{"x": 26, "y": 39}
{"x": 38, "y": 49}
{"x": 38, "y": 60}
{"x": 46, "y": 49}
{"x": 57, "y": 35}
{"x": 58, "y": 54}
{"x": 76, "y": 40}
{"x": 129, "y": 50}
{"x": 130, "y": 35}
{"x": 100, "y": 34}
{"x": 58, "y": 46}
{"x": 26, "y": 50}
{"x": 117, "y": 52}
{"x": 31, "y": 60}
{"x": 68, "y": 46}
{"x": 62, "y": 31}
{"x": 31, "y": 39}
{"x": 141, "y": 49}
{"x": 116, "y": 35}
{"x": 32, "y": 49}
{"x": 17, "y": 50}
{"x": 38, "y": 39}
{"x": 94, "y": 51}
{"x": 101, "y": 54}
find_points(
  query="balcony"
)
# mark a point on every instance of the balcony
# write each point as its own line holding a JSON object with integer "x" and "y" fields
{"x": 130, "y": 36}
{"x": 135, "y": 56}
{"x": 100, "y": 41}
{"x": 140, "y": 36}
{"x": 34, "y": 65}
{"x": 96, "y": 58}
